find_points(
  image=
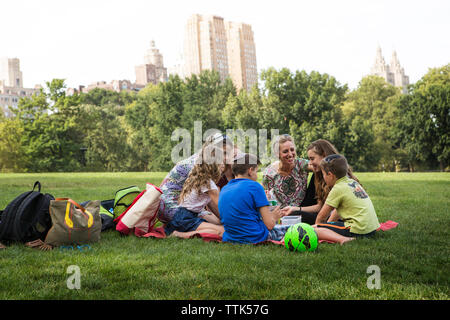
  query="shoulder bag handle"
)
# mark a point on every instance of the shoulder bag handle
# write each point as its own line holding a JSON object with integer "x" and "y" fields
{"x": 86, "y": 213}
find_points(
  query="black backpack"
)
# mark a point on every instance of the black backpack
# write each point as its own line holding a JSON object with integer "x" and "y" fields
{"x": 27, "y": 217}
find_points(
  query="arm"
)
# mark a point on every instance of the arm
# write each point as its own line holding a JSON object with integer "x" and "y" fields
{"x": 324, "y": 213}
{"x": 311, "y": 209}
{"x": 213, "y": 204}
{"x": 334, "y": 216}
{"x": 270, "y": 218}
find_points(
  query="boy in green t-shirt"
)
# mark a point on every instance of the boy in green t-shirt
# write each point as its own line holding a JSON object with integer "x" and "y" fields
{"x": 350, "y": 200}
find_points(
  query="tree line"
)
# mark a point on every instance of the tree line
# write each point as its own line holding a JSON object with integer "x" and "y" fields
{"x": 375, "y": 126}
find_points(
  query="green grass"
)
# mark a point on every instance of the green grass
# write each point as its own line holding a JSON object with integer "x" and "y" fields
{"x": 413, "y": 258}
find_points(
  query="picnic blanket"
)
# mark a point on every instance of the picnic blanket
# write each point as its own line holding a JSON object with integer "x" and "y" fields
{"x": 208, "y": 237}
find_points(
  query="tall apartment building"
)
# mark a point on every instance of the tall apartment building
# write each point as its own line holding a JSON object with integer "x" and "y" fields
{"x": 241, "y": 55}
{"x": 153, "y": 69}
{"x": 205, "y": 46}
{"x": 211, "y": 43}
{"x": 393, "y": 73}
{"x": 11, "y": 85}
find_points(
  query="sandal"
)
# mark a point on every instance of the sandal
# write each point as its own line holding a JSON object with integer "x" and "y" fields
{"x": 38, "y": 244}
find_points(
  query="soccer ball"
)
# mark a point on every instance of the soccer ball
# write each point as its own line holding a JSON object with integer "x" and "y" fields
{"x": 301, "y": 237}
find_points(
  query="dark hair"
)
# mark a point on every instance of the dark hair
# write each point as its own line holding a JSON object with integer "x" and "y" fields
{"x": 322, "y": 147}
{"x": 336, "y": 164}
{"x": 244, "y": 162}
{"x": 325, "y": 148}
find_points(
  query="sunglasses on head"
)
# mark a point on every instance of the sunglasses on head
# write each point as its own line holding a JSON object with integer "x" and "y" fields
{"x": 332, "y": 157}
{"x": 217, "y": 138}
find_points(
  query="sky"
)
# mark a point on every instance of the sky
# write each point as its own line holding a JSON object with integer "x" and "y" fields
{"x": 85, "y": 41}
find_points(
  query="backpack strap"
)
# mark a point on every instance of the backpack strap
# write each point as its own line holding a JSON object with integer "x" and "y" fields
{"x": 37, "y": 183}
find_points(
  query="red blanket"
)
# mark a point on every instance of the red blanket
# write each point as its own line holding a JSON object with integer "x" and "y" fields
{"x": 208, "y": 237}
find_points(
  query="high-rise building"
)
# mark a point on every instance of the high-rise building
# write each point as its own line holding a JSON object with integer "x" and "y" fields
{"x": 393, "y": 73}
{"x": 241, "y": 55}
{"x": 10, "y": 72}
{"x": 205, "y": 46}
{"x": 153, "y": 69}
{"x": 11, "y": 85}
{"x": 211, "y": 43}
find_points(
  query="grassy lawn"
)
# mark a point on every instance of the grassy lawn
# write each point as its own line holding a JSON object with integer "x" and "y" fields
{"x": 413, "y": 258}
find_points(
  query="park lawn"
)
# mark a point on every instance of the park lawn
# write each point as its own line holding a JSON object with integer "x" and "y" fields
{"x": 413, "y": 258}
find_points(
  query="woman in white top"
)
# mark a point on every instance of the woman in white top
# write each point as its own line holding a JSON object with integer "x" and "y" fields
{"x": 199, "y": 190}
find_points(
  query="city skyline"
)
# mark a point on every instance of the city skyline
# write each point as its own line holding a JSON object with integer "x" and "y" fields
{"x": 213, "y": 43}
{"x": 104, "y": 40}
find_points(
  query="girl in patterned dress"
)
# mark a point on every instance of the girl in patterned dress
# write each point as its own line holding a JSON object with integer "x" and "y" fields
{"x": 199, "y": 190}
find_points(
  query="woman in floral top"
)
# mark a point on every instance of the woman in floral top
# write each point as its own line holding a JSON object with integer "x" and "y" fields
{"x": 287, "y": 180}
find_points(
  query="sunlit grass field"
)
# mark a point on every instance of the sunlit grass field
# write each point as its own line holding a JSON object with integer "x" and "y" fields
{"x": 413, "y": 259}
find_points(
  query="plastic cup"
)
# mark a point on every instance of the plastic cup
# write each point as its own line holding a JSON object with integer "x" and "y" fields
{"x": 290, "y": 220}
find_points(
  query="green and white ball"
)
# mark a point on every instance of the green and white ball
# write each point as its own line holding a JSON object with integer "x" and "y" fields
{"x": 301, "y": 237}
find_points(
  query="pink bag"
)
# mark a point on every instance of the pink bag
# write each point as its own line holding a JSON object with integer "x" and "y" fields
{"x": 141, "y": 215}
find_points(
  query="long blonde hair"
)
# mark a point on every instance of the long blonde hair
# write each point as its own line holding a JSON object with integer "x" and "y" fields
{"x": 324, "y": 148}
{"x": 207, "y": 165}
{"x": 205, "y": 169}
{"x": 200, "y": 176}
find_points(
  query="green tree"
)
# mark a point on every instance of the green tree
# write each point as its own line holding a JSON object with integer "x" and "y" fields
{"x": 51, "y": 135}
{"x": 139, "y": 121}
{"x": 358, "y": 144}
{"x": 305, "y": 105}
{"x": 242, "y": 111}
{"x": 424, "y": 118}
{"x": 166, "y": 110}
{"x": 106, "y": 138}
{"x": 101, "y": 97}
{"x": 204, "y": 97}
{"x": 12, "y": 157}
{"x": 370, "y": 110}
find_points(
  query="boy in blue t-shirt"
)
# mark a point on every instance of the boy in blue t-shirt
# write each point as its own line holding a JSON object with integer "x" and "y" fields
{"x": 244, "y": 208}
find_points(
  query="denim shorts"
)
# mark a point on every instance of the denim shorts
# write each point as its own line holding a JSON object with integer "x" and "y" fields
{"x": 183, "y": 220}
{"x": 278, "y": 232}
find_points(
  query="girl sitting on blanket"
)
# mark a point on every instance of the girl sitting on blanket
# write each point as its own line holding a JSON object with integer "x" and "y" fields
{"x": 199, "y": 190}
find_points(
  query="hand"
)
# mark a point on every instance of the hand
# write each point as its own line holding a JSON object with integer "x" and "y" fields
{"x": 277, "y": 213}
{"x": 288, "y": 210}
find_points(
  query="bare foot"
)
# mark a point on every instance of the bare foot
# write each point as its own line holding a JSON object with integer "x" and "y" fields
{"x": 346, "y": 240}
{"x": 184, "y": 235}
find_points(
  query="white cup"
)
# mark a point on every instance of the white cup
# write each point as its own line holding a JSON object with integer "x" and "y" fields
{"x": 290, "y": 220}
